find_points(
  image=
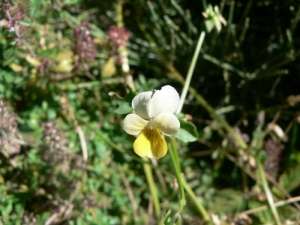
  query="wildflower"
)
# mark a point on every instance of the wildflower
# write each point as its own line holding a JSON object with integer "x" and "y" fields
{"x": 213, "y": 18}
{"x": 118, "y": 36}
{"x": 154, "y": 115}
{"x": 84, "y": 46}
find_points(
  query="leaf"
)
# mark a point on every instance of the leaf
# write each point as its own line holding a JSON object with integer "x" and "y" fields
{"x": 265, "y": 216}
{"x": 209, "y": 25}
{"x": 9, "y": 56}
{"x": 130, "y": 95}
{"x": 51, "y": 114}
{"x": 289, "y": 180}
{"x": 231, "y": 198}
{"x": 187, "y": 132}
{"x": 49, "y": 53}
{"x": 124, "y": 108}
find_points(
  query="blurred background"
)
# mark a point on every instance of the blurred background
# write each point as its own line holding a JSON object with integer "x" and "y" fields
{"x": 69, "y": 70}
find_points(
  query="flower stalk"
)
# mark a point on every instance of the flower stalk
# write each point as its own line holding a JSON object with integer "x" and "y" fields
{"x": 183, "y": 186}
{"x": 198, "y": 204}
{"x": 152, "y": 186}
{"x": 190, "y": 71}
{"x": 268, "y": 192}
{"x": 176, "y": 166}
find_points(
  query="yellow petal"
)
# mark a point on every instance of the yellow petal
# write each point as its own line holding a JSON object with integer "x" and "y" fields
{"x": 142, "y": 145}
{"x": 150, "y": 143}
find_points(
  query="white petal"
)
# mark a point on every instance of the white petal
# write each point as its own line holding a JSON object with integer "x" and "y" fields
{"x": 167, "y": 123}
{"x": 164, "y": 100}
{"x": 133, "y": 124}
{"x": 141, "y": 104}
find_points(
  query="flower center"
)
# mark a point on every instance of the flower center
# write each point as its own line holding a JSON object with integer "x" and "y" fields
{"x": 150, "y": 125}
{"x": 152, "y": 134}
{"x": 150, "y": 143}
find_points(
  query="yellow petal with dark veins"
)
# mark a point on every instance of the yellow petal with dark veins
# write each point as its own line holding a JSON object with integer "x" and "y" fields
{"x": 150, "y": 143}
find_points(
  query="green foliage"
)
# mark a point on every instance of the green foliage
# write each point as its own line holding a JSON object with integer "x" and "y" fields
{"x": 187, "y": 132}
{"x": 289, "y": 179}
{"x": 69, "y": 70}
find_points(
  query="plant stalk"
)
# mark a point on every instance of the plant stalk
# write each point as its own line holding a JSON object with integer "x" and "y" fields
{"x": 153, "y": 190}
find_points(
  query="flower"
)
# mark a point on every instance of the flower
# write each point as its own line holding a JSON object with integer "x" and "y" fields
{"x": 154, "y": 115}
{"x": 118, "y": 36}
{"x": 213, "y": 18}
{"x": 84, "y": 46}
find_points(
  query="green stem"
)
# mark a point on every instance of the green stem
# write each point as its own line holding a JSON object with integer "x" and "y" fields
{"x": 119, "y": 8}
{"x": 197, "y": 203}
{"x": 153, "y": 190}
{"x": 295, "y": 21}
{"x": 176, "y": 166}
{"x": 204, "y": 4}
{"x": 183, "y": 185}
{"x": 190, "y": 72}
{"x": 268, "y": 192}
{"x": 175, "y": 151}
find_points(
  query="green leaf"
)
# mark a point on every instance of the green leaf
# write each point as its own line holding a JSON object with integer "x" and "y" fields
{"x": 130, "y": 95}
{"x": 289, "y": 180}
{"x": 51, "y": 114}
{"x": 25, "y": 23}
{"x": 2, "y": 88}
{"x": 9, "y": 55}
{"x": 49, "y": 53}
{"x": 124, "y": 108}
{"x": 229, "y": 197}
{"x": 187, "y": 132}
{"x": 265, "y": 216}
{"x": 209, "y": 25}
{"x": 9, "y": 208}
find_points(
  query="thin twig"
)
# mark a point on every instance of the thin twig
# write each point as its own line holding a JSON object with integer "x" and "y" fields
{"x": 82, "y": 143}
{"x": 265, "y": 207}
